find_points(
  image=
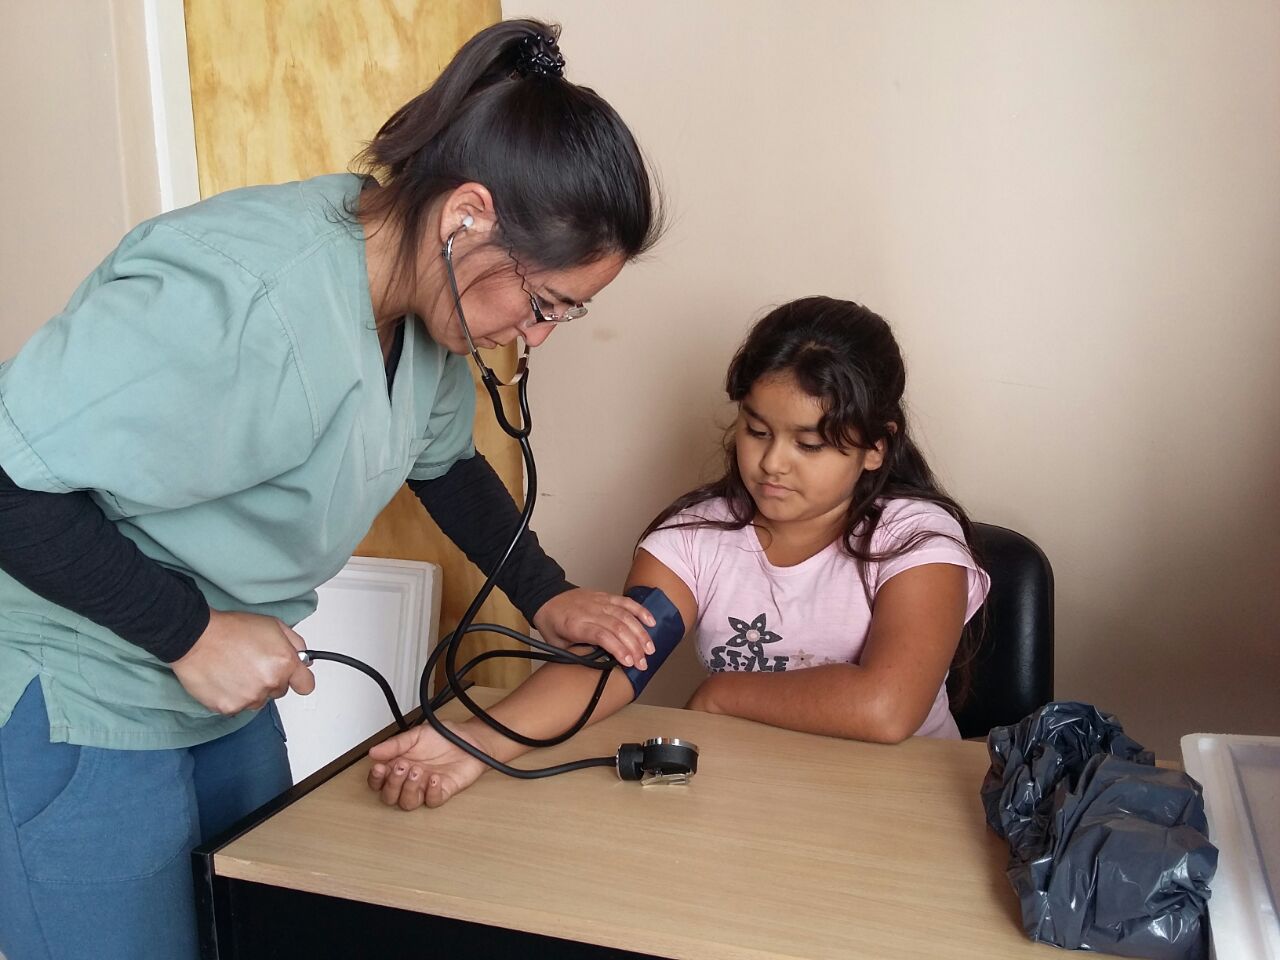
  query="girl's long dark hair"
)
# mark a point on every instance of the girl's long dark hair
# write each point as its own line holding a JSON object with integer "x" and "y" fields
{"x": 568, "y": 181}
{"x": 847, "y": 357}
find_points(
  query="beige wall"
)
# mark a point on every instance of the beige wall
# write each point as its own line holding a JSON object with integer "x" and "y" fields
{"x": 78, "y": 164}
{"x": 1070, "y": 212}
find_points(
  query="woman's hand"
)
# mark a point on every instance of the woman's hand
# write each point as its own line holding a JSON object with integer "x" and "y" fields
{"x": 595, "y": 618}
{"x": 420, "y": 766}
{"x": 241, "y": 661}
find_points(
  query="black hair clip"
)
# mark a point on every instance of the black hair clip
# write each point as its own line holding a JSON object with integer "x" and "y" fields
{"x": 539, "y": 56}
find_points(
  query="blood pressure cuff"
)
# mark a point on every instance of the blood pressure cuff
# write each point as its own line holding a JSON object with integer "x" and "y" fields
{"x": 668, "y": 632}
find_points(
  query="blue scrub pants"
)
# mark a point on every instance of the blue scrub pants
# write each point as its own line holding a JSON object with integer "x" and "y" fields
{"x": 95, "y": 844}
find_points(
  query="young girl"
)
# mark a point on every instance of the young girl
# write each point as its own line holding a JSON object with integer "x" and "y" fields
{"x": 826, "y": 574}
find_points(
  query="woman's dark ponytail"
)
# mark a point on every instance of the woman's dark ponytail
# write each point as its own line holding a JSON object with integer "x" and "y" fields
{"x": 568, "y": 180}
{"x": 488, "y": 57}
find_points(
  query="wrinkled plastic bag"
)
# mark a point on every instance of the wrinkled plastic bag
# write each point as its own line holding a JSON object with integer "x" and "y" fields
{"x": 1030, "y": 758}
{"x": 1126, "y": 867}
{"x": 1107, "y": 852}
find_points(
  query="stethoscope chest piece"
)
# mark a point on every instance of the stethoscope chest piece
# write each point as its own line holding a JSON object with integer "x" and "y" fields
{"x": 658, "y": 760}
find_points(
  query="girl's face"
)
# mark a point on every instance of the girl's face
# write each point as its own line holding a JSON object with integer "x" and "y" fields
{"x": 792, "y": 474}
{"x": 495, "y": 298}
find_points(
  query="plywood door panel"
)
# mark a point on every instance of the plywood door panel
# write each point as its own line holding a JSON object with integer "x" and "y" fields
{"x": 287, "y": 90}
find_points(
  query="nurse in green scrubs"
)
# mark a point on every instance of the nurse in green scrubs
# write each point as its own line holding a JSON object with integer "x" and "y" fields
{"x": 208, "y": 429}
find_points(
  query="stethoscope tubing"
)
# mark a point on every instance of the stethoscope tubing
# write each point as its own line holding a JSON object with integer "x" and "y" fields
{"x": 449, "y": 648}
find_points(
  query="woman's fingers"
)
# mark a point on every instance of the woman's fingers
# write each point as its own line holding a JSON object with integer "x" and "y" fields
{"x": 621, "y": 635}
{"x": 635, "y": 618}
{"x": 240, "y": 661}
{"x": 294, "y": 637}
{"x": 614, "y": 623}
{"x": 302, "y": 681}
{"x": 637, "y": 611}
{"x": 623, "y": 622}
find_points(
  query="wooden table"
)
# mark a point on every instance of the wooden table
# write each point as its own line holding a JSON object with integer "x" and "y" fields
{"x": 784, "y": 845}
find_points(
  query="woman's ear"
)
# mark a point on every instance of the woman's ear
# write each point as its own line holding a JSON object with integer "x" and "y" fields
{"x": 469, "y": 209}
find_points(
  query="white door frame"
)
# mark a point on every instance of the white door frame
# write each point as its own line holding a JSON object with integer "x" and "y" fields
{"x": 172, "y": 119}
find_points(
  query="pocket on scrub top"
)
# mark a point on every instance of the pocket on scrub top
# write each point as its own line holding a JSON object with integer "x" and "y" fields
{"x": 417, "y": 446}
{"x": 123, "y": 815}
{"x": 386, "y": 452}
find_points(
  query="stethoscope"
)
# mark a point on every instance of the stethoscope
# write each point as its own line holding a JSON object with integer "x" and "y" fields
{"x": 659, "y": 759}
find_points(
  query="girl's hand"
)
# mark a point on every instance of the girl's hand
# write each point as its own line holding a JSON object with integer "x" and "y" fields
{"x": 591, "y": 617}
{"x": 420, "y": 766}
{"x": 241, "y": 661}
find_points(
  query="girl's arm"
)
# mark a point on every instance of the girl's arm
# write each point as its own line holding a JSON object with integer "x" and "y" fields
{"x": 475, "y": 510}
{"x": 419, "y": 766}
{"x": 915, "y": 627}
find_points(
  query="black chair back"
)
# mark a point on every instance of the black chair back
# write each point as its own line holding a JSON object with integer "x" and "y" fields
{"x": 1013, "y": 668}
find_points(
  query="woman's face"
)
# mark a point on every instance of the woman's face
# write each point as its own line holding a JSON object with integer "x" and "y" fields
{"x": 792, "y": 474}
{"x": 495, "y": 297}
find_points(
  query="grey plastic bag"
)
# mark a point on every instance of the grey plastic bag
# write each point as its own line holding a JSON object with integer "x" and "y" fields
{"x": 1127, "y": 865}
{"x": 1031, "y": 757}
{"x": 1106, "y": 853}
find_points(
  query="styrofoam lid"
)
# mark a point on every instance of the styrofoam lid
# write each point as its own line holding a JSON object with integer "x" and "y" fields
{"x": 1241, "y": 780}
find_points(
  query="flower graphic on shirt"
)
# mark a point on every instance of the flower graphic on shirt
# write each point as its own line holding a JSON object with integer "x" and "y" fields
{"x": 802, "y": 658}
{"x": 753, "y": 635}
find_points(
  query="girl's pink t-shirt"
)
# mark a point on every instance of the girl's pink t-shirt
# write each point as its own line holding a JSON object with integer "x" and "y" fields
{"x": 754, "y": 616}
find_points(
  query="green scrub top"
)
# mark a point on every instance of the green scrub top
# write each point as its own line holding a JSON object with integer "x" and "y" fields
{"x": 218, "y": 386}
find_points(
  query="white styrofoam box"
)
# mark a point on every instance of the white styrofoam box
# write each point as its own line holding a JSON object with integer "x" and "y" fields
{"x": 1241, "y": 780}
{"x": 383, "y": 612}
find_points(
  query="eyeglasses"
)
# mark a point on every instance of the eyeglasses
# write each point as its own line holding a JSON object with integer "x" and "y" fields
{"x": 573, "y": 312}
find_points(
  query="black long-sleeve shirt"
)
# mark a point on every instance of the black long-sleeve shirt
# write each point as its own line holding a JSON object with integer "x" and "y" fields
{"x": 62, "y": 547}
